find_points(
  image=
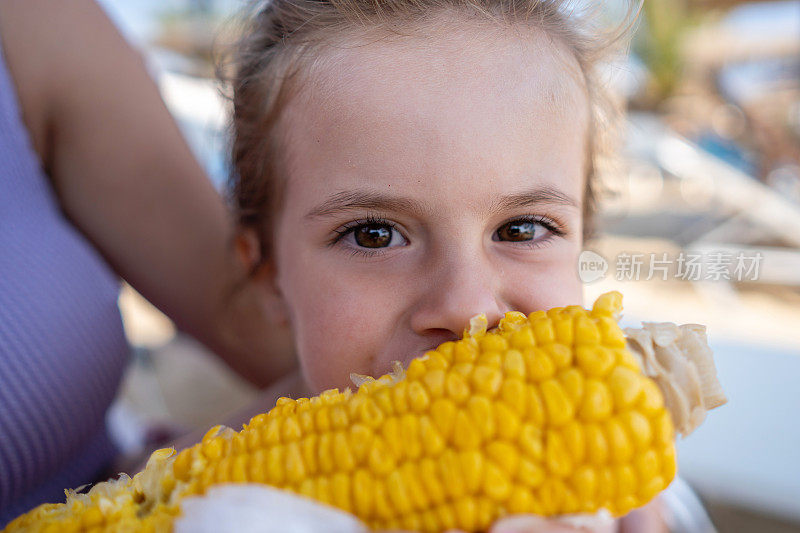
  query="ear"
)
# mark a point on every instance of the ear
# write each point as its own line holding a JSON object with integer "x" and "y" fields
{"x": 247, "y": 248}
{"x": 261, "y": 276}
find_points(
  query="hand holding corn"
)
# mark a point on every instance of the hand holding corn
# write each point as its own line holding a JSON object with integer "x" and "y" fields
{"x": 553, "y": 413}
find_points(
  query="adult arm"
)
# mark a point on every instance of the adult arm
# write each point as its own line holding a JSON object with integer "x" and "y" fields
{"x": 126, "y": 179}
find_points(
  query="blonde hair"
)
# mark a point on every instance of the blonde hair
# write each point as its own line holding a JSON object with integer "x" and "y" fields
{"x": 280, "y": 34}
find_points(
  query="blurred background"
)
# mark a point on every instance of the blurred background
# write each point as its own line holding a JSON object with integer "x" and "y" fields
{"x": 700, "y": 222}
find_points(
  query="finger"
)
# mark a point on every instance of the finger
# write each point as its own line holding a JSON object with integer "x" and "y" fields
{"x": 529, "y": 524}
{"x": 537, "y": 524}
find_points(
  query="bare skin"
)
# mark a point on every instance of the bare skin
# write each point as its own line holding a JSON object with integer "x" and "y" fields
{"x": 126, "y": 179}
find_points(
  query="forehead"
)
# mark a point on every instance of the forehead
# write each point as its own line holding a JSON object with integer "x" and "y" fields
{"x": 438, "y": 106}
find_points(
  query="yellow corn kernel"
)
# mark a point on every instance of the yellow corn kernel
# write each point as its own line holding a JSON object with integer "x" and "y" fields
{"x": 213, "y": 448}
{"x": 504, "y": 455}
{"x": 409, "y": 428}
{"x": 430, "y": 481}
{"x": 452, "y": 473}
{"x": 443, "y": 413}
{"x": 530, "y": 474}
{"x": 507, "y": 422}
{"x": 520, "y": 501}
{"x": 586, "y": 332}
{"x": 466, "y": 435}
{"x": 573, "y": 382}
{"x": 479, "y": 409}
{"x": 471, "y": 464}
{"x": 608, "y": 304}
{"x": 360, "y": 439}
{"x": 341, "y": 450}
{"x": 370, "y": 414}
{"x": 562, "y": 324}
{"x": 384, "y": 509}
{"x": 522, "y": 339}
{"x": 491, "y": 359}
{"x": 514, "y": 364}
{"x": 652, "y": 401}
{"x": 664, "y": 431}
{"x": 496, "y": 484}
{"x": 537, "y": 315}
{"x": 380, "y": 461}
{"x": 487, "y": 380}
{"x": 493, "y": 343}
{"x": 410, "y": 522}
{"x": 275, "y": 470}
{"x": 558, "y": 460}
{"x": 625, "y": 477}
{"x": 398, "y": 495}
{"x": 514, "y": 393}
{"x": 626, "y": 387}
{"x": 536, "y": 410}
{"x": 240, "y": 469}
{"x": 596, "y": 444}
{"x": 457, "y": 388}
{"x": 531, "y": 440}
{"x": 595, "y": 361}
{"x": 383, "y": 399}
{"x": 597, "y": 404}
{"x": 340, "y": 491}
{"x": 575, "y": 440}
{"x": 618, "y": 441}
{"x": 413, "y": 482}
{"x": 325, "y": 453}
{"x": 538, "y": 364}
{"x": 543, "y": 331}
{"x": 418, "y": 397}
{"x": 432, "y": 441}
{"x": 512, "y": 321}
{"x": 446, "y": 350}
{"x": 638, "y": 428}
{"x": 610, "y": 334}
{"x": 561, "y": 354}
{"x": 447, "y": 517}
{"x": 647, "y": 465}
{"x": 669, "y": 465}
{"x": 559, "y": 409}
{"x": 465, "y": 352}
{"x": 400, "y": 396}
{"x": 434, "y": 382}
{"x": 584, "y": 479}
{"x": 551, "y": 495}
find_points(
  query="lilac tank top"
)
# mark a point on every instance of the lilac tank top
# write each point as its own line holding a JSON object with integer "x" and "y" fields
{"x": 62, "y": 347}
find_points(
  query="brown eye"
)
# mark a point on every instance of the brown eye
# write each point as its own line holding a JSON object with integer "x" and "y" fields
{"x": 516, "y": 231}
{"x": 373, "y": 235}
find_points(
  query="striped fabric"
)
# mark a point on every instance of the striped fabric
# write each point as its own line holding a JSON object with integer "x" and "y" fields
{"x": 62, "y": 347}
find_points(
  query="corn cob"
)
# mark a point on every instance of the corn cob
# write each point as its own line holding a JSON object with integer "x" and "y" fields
{"x": 548, "y": 414}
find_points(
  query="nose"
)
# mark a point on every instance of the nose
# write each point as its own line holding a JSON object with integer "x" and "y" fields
{"x": 459, "y": 287}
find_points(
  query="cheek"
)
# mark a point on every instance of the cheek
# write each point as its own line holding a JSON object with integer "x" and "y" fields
{"x": 337, "y": 322}
{"x": 553, "y": 282}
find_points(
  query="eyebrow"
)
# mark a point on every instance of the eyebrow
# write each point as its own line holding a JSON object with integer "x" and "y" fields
{"x": 363, "y": 199}
{"x": 546, "y": 194}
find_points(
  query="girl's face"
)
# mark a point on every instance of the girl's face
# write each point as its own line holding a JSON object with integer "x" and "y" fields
{"x": 429, "y": 180}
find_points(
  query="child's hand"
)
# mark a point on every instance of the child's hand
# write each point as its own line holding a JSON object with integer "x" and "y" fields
{"x": 537, "y": 524}
{"x": 648, "y": 518}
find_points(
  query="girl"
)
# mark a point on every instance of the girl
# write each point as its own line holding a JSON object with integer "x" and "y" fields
{"x": 401, "y": 166}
